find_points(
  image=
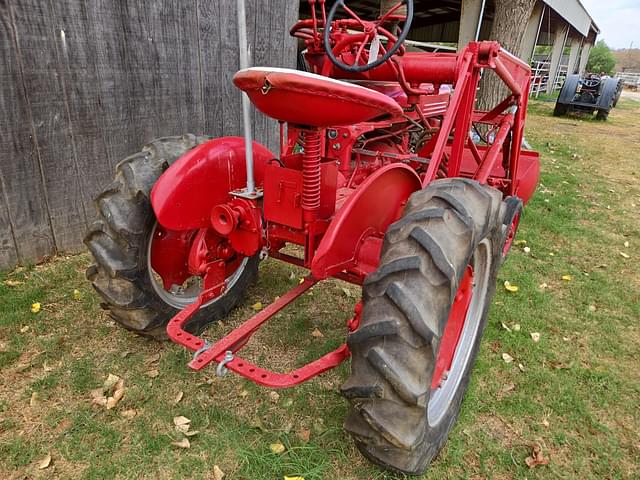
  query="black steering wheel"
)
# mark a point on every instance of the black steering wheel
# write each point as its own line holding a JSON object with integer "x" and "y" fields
{"x": 370, "y": 32}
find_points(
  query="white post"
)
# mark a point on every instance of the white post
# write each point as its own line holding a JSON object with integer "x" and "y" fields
{"x": 246, "y": 106}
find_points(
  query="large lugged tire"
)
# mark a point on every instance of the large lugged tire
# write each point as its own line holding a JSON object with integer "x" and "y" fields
{"x": 119, "y": 242}
{"x": 397, "y": 418}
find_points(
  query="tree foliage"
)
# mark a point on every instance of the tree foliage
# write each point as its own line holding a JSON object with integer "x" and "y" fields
{"x": 601, "y": 59}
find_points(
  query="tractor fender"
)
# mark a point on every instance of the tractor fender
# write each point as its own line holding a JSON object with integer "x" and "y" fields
{"x": 369, "y": 210}
{"x": 186, "y": 192}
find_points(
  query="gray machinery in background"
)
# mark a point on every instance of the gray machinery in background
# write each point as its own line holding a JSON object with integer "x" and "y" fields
{"x": 587, "y": 95}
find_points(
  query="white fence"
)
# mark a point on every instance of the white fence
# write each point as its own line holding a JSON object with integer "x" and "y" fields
{"x": 540, "y": 77}
{"x": 630, "y": 79}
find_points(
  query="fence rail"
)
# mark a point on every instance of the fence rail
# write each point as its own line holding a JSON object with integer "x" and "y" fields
{"x": 85, "y": 83}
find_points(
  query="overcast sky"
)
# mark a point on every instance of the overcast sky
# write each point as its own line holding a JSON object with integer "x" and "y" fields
{"x": 619, "y": 21}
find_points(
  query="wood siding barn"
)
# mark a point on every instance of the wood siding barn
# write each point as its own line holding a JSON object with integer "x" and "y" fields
{"x": 84, "y": 83}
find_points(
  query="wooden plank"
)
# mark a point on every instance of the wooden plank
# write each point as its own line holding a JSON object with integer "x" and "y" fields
{"x": 8, "y": 247}
{"x": 50, "y": 115}
{"x": 210, "y": 55}
{"x": 229, "y": 95}
{"x": 19, "y": 161}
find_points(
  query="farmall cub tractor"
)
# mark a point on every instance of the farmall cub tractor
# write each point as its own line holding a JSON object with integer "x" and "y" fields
{"x": 378, "y": 181}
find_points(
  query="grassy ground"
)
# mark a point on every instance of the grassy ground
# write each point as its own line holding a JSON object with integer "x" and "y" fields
{"x": 577, "y": 394}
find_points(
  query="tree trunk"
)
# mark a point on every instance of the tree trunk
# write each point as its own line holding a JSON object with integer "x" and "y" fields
{"x": 509, "y": 25}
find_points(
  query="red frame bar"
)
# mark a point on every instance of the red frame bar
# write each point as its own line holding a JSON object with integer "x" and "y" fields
{"x": 235, "y": 340}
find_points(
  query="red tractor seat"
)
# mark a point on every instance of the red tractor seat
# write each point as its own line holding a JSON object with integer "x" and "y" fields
{"x": 308, "y": 99}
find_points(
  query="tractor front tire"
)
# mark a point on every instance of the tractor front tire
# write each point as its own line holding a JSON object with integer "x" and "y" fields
{"x": 119, "y": 242}
{"x": 397, "y": 419}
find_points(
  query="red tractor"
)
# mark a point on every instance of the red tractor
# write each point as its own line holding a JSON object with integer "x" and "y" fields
{"x": 380, "y": 180}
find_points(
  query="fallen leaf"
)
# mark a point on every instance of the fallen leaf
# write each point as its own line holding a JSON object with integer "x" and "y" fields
{"x": 504, "y": 325}
{"x": 244, "y": 393}
{"x": 218, "y": 474}
{"x": 626, "y": 244}
{"x": 317, "y": 333}
{"x": 542, "y": 286}
{"x": 288, "y": 402}
{"x": 152, "y": 359}
{"x": 292, "y": 276}
{"x": 129, "y": 414}
{"x": 624, "y": 255}
{"x": 13, "y": 283}
{"x": 535, "y": 336}
{"x": 347, "y": 292}
{"x": 293, "y": 478}
{"x": 257, "y": 306}
{"x": 551, "y": 254}
{"x": 509, "y": 387}
{"x": 507, "y": 358}
{"x": 24, "y": 329}
{"x": 110, "y": 382}
{"x": 521, "y": 367}
{"x": 45, "y": 462}
{"x": 34, "y": 400}
{"x": 510, "y": 288}
{"x": 536, "y": 458}
{"x": 592, "y": 308}
{"x": 35, "y": 307}
{"x": 301, "y": 281}
{"x": 98, "y": 398}
{"x": 567, "y": 278}
{"x": 76, "y": 294}
{"x": 118, "y": 393}
{"x": 304, "y": 434}
{"x": 178, "y": 397}
{"x": 545, "y": 422}
{"x": 516, "y": 327}
{"x": 526, "y": 250}
{"x": 184, "y": 443}
{"x": 276, "y": 448}
{"x": 152, "y": 373}
{"x": 46, "y": 367}
{"x": 274, "y": 397}
{"x": 180, "y": 420}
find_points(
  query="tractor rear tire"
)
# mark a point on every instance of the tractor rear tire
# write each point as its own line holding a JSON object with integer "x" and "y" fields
{"x": 560, "y": 109}
{"x": 119, "y": 242}
{"x": 395, "y": 418}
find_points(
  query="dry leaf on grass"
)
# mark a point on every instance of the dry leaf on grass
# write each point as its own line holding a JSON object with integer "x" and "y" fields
{"x": 180, "y": 420}
{"x": 179, "y": 396}
{"x": 35, "y": 307}
{"x": 347, "y": 292}
{"x": 535, "y": 336}
{"x": 129, "y": 414}
{"x": 13, "y": 283}
{"x": 510, "y": 288}
{"x": 293, "y": 478}
{"x": 152, "y": 359}
{"x": 507, "y": 358}
{"x": 118, "y": 393}
{"x": 274, "y": 397}
{"x": 304, "y": 434}
{"x": 516, "y": 327}
{"x": 191, "y": 433}
{"x": 504, "y": 325}
{"x": 536, "y": 458}
{"x": 218, "y": 474}
{"x": 184, "y": 443}
{"x": 317, "y": 333}
{"x": 34, "y": 400}
{"x": 45, "y": 462}
{"x": 24, "y": 329}
{"x": 567, "y": 278}
{"x": 76, "y": 294}
{"x": 110, "y": 382}
{"x": 624, "y": 255}
{"x": 277, "y": 448}
{"x": 153, "y": 373}
{"x": 521, "y": 367}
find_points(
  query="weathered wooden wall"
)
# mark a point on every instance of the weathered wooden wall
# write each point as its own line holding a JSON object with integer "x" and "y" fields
{"x": 84, "y": 83}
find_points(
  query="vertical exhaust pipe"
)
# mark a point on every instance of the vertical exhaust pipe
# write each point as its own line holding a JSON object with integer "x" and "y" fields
{"x": 246, "y": 107}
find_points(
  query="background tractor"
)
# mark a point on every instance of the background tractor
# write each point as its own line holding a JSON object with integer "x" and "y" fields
{"x": 588, "y": 94}
{"x": 378, "y": 181}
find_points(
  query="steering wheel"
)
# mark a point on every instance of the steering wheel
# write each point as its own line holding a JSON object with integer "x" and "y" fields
{"x": 370, "y": 33}
{"x": 591, "y": 82}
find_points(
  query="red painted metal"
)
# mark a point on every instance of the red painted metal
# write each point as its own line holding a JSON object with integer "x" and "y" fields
{"x": 455, "y": 324}
{"x": 307, "y": 99}
{"x": 351, "y": 155}
{"x": 184, "y": 195}
{"x": 367, "y": 212}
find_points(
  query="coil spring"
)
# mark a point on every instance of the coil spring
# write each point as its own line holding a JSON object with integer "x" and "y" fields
{"x": 311, "y": 173}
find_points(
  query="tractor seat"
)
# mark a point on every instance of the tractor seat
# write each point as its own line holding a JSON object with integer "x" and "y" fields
{"x": 304, "y": 98}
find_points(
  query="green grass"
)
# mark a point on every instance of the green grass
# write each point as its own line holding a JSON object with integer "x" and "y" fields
{"x": 578, "y": 396}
